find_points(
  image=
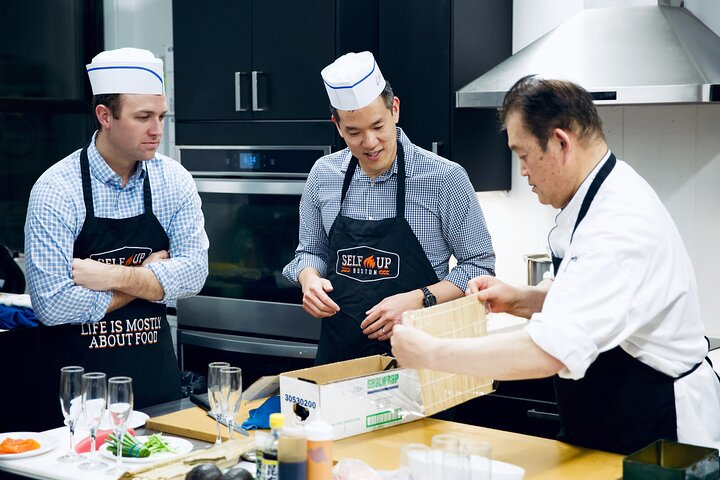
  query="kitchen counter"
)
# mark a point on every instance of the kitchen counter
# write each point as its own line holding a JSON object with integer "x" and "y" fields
{"x": 541, "y": 458}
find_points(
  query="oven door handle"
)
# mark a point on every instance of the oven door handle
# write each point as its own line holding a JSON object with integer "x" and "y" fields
{"x": 242, "y": 344}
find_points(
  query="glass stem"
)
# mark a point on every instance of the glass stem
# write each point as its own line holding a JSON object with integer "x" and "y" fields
{"x": 119, "y": 435}
{"x": 230, "y": 423}
{"x": 93, "y": 434}
{"x": 71, "y": 427}
{"x": 218, "y": 439}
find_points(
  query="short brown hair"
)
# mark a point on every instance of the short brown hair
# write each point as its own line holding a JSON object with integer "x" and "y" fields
{"x": 112, "y": 101}
{"x": 545, "y": 105}
{"x": 387, "y": 95}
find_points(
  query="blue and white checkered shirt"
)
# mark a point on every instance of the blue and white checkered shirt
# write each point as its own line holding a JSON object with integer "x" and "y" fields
{"x": 56, "y": 213}
{"x": 441, "y": 208}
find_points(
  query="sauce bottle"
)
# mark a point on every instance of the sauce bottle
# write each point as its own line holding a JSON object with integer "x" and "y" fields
{"x": 292, "y": 453}
{"x": 269, "y": 461}
{"x": 319, "y": 450}
{"x": 261, "y": 438}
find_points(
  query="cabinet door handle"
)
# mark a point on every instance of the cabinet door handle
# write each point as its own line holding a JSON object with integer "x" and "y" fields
{"x": 238, "y": 93}
{"x": 435, "y": 146}
{"x": 255, "y": 106}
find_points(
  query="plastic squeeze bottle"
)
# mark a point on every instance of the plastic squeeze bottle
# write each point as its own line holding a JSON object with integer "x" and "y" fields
{"x": 269, "y": 462}
{"x": 261, "y": 439}
{"x": 292, "y": 453}
{"x": 319, "y": 450}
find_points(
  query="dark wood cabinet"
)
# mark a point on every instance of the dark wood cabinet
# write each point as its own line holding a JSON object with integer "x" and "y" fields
{"x": 247, "y": 72}
{"x": 428, "y": 50}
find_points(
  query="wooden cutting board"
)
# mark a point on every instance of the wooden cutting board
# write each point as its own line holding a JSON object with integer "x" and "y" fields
{"x": 195, "y": 423}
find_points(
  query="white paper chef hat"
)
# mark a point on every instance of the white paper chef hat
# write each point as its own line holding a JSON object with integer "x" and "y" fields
{"x": 126, "y": 70}
{"x": 353, "y": 81}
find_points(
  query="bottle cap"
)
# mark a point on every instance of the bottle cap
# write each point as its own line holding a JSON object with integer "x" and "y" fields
{"x": 277, "y": 420}
{"x": 319, "y": 430}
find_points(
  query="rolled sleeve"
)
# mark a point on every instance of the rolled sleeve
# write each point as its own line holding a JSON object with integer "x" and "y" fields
{"x": 50, "y": 231}
{"x": 184, "y": 274}
{"x": 313, "y": 244}
{"x": 465, "y": 230}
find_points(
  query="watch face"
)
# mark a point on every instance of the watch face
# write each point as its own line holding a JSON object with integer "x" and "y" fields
{"x": 429, "y": 300}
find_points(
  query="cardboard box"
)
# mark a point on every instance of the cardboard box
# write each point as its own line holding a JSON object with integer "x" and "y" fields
{"x": 359, "y": 396}
{"x": 366, "y": 394}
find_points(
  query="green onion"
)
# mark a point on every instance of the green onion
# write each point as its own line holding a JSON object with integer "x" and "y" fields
{"x": 155, "y": 443}
{"x": 131, "y": 446}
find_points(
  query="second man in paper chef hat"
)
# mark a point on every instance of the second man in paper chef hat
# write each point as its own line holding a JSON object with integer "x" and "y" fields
{"x": 115, "y": 232}
{"x": 379, "y": 221}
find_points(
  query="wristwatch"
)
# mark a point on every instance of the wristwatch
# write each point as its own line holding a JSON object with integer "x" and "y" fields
{"x": 429, "y": 299}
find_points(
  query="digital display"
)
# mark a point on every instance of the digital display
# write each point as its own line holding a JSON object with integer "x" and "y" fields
{"x": 249, "y": 161}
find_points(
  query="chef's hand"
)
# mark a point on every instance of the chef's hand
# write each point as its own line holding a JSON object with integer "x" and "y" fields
{"x": 93, "y": 275}
{"x": 155, "y": 257}
{"x": 497, "y": 295}
{"x": 382, "y": 318}
{"x": 316, "y": 301}
{"x": 410, "y": 346}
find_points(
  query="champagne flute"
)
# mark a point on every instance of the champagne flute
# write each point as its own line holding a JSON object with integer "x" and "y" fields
{"x": 71, "y": 404}
{"x": 213, "y": 385}
{"x": 120, "y": 405}
{"x": 231, "y": 387}
{"x": 94, "y": 398}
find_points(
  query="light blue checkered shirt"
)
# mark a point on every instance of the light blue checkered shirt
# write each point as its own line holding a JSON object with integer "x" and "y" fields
{"x": 56, "y": 213}
{"x": 441, "y": 208}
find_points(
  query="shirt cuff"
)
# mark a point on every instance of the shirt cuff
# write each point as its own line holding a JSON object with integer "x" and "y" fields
{"x": 570, "y": 346}
{"x": 98, "y": 308}
{"x": 164, "y": 277}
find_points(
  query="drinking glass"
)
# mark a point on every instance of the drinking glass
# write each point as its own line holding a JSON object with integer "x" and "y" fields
{"x": 444, "y": 456}
{"x": 475, "y": 459}
{"x": 214, "y": 395}
{"x": 231, "y": 387}
{"x": 414, "y": 461}
{"x": 94, "y": 398}
{"x": 120, "y": 405}
{"x": 71, "y": 404}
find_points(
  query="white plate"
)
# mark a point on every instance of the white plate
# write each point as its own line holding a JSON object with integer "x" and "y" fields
{"x": 47, "y": 443}
{"x": 136, "y": 420}
{"x": 180, "y": 445}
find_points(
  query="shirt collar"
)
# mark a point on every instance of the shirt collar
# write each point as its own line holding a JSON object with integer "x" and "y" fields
{"x": 408, "y": 149}
{"x": 560, "y": 235}
{"x": 102, "y": 171}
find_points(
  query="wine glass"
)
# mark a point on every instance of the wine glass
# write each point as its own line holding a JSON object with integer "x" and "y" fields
{"x": 231, "y": 387}
{"x": 71, "y": 404}
{"x": 94, "y": 398}
{"x": 120, "y": 405}
{"x": 213, "y": 385}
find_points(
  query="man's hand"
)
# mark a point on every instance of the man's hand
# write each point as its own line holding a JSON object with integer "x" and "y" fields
{"x": 382, "y": 318}
{"x": 155, "y": 257}
{"x": 411, "y": 346}
{"x": 316, "y": 301}
{"x": 497, "y": 295}
{"x": 94, "y": 275}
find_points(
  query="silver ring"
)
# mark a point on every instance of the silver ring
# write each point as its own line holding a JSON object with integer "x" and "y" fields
{"x": 383, "y": 330}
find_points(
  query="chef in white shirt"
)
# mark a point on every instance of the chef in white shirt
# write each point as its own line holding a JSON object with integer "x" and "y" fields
{"x": 619, "y": 326}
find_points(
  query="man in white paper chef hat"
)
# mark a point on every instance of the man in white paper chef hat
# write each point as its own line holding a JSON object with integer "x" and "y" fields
{"x": 114, "y": 232}
{"x": 364, "y": 258}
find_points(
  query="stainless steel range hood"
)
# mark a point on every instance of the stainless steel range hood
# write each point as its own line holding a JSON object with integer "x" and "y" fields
{"x": 627, "y": 55}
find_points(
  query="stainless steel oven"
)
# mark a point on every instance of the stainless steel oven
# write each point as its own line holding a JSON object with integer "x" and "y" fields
{"x": 247, "y": 312}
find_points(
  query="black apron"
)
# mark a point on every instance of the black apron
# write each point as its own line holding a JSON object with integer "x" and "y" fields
{"x": 370, "y": 260}
{"x": 134, "y": 340}
{"x": 621, "y": 404}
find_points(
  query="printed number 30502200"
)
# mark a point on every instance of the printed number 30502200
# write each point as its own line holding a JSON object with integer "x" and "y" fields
{"x": 300, "y": 401}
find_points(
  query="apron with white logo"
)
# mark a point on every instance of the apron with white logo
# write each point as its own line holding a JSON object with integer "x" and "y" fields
{"x": 134, "y": 340}
{"x": 370, "y": 260}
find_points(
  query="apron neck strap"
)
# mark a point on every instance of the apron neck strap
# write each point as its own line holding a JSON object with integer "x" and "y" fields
{"x": 592, "y": 191}
{"x": 400, "y": 196}
{"x": 87, "y": 186}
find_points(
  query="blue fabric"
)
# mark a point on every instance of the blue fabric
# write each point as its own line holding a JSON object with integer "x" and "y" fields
{"x": 14, "y": 317}
{"x": 260, "y": 417}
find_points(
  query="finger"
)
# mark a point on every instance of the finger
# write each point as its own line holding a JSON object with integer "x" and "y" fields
{"x": 370, "y": 319}
{"x": 315, "y": 306}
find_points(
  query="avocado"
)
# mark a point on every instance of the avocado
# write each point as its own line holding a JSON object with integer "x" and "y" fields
{"x": 237, "y": 473}
{"x": 204, "y": 471}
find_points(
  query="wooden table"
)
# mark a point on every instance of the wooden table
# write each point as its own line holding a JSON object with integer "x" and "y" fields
{"x": 541, "y": 458}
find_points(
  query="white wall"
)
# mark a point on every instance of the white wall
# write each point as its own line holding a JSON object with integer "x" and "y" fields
{"x": 675, "y": 147}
